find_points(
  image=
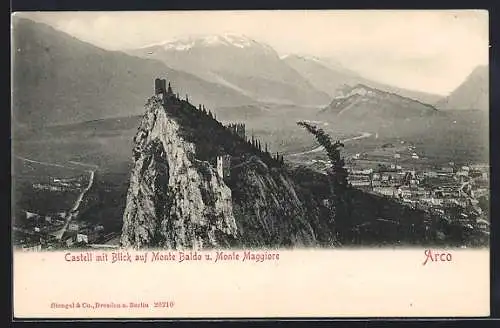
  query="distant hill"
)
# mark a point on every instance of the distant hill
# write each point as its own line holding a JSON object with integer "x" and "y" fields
{"x": 329, "y": 76}
{"x": 240, "y": 63}
{"x": 473, "y": 93}
{"x": 60, "y": 79}
{"x": 365, "y": 103}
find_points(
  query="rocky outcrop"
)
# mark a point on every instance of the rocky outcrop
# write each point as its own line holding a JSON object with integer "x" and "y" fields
{"x": 177, "y": 200}
{"x": 174, "y": 200}
{"x": 267, "y": 208}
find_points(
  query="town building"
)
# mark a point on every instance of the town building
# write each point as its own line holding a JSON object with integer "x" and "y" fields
{"x": 386, "y": 191}
{"x": 446, "y": 170}
{"x": 361, "y": 172}
{"x": 73, "y": 226}
{"x": 82, "y": 238}
{"x": 403, "y": 192}
{"x": 32, "y": 248}
{"x": 360, "y": 183}
{"x": 432, "y": 201}
{"x": 69, "y": 242}
{"x": 31, "y": 215}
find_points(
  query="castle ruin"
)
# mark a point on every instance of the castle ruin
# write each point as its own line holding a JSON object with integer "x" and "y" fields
{"x": 162, "y": 91}
{"x": 238, "y": 129}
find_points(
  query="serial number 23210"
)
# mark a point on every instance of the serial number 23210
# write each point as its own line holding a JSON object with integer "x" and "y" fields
{"x": 168, "y": 304}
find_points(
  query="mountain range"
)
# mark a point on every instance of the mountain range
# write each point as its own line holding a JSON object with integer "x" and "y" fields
{"x": 60, "y": 79}
{"x": 239, "y": 62}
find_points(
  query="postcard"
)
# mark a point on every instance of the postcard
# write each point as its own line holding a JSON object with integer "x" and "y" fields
{"x": 250, "y": 164}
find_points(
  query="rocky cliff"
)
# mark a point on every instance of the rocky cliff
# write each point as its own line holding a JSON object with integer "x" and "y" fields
{"x": 174, "y": 200}
{"x": 177, "y": 200}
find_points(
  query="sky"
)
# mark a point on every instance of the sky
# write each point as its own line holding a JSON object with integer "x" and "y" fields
{"x": 427, "y": 50}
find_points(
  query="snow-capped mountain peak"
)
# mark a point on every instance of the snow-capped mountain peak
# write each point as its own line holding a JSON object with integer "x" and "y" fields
{"x": 302, "y": 57}
{"x": 347, "y": 91}
{"x": 226, "y": 39}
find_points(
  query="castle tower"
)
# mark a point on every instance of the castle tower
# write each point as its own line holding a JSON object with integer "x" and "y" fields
{"x": 160, "y": 87}
{"x": 220, "y": 170}
{"x": 224, "y": 166}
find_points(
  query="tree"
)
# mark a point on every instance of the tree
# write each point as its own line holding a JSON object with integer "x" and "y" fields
{"x": 337, "y": 171}
{"x": 337, "y": 175}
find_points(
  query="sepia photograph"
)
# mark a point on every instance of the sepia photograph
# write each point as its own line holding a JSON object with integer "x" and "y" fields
{"x": 259, "y": 131}
{"x": 280, "y": 138}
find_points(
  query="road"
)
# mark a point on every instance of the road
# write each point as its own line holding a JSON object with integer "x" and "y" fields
{"x": 38, "y": 162}
{"x": 320, "y": 148}
{"x": 73, "y": 213}
{"x": 95, "y": 167}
